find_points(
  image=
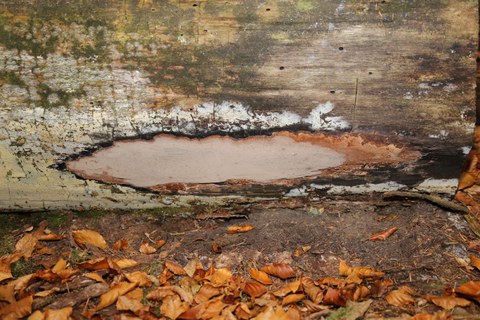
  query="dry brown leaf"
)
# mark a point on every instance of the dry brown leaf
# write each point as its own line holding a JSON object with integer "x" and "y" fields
{"x": 26, "y": 245}
{"x": 216, "y": 248}
{"x": 95, "y": 276}
{"x": 37, "y": 315}
{"x": 293, "y": 313}
{"x": 45, "y": 251}
{"x": 314, "y": 307}
{"x": 475, "y": 261}
{"x": 218, "y": 277}
{"x": 312, "y": 290}
{"x": 172, "y": 306}
{"x": 125, "y": 263}
{"x": 18, "y": 309}
{"x": 7, "y": 293}
{"x": 212, "y": 308}
{"x": 145, "y": 248}
{"x": 45, "y": 293}
{"x": 383, "y": 235}
{"x": 280, "y": 270}
{"x": 260, "y": 276}
{"x": 360, "y": 272}
{"x": 139, "y": 277}
{"x": 240, "y": 229}
{"x": 59, "y": 266}
{"x": 120, "y": 245}
{"x": 50, "y": 237}
{"x": 124, "y": 303}
{"x": 162, "y": 292}
{"x": 470, "y": 289}
{"x": 159, "y": 244}
{"x": 448, "y": 302}
{"x": 206, "y": 292}
{"x": 81, "y": 237}
{"x": 175, "y": 268}
{"x": 401, "y": 297}
{"x": 440, "y": 315}
{"x": 58, "y": 314}
{"x": 332, "y": 297}
{"x": 292, "y": 298}
{"x": 379, "y": 287}
{"x": 111, "y": 296}
{"x": 291, "y": 287}
{"x": 301, "y": 250}
{"x": 254, "y": 289}
{"x": 332, "y": 282}
{"x": 5, "y": 263}
{"x": 270, "y": 314}
{"x": 361, "y": 293}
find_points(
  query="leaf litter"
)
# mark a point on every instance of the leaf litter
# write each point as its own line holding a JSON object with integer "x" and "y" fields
{"x": 87, "y": 273}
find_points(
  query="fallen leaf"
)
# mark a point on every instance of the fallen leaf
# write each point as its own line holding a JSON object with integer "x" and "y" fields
{"x": 260, "y": 276}
{"x": 280, "y": 270}
{"x": 332, "y": 297}
{"x": 440, "y": 315}
{"x": 254, "y": 289}
{"x": 352, "y": 311}
{"x": 207, "y": 292}
{"x": 95, "y": 276}
{"x": 270, "y": 313}
{"x": 172, "y": 306}
{"x": 175, "y": 268}
{"x": 5, "y": 265}
{"x": 37, "y": 315}
{"x": 45, "y": 251}
{"x": 120, "y": 245}
{"x": 18, "y": 309}
{"x": 59, "y": 266}
{"x": 312, "y": 290}
{"x": 81, "y": 237}
{"x": 7, "y": 293}
{"x": 470, "y": 289}
{"x": 291, "y": 287}
{"x": 125, "y": 263}
{"x": 361, "y": 272}
{"x": 216, "y": 248}
{"x": 293, "y": 298}
{"x": 383, "y": 235}
{"x": 401, "y": 297}
{"x": 58, "y": 314}
{"x": 212, "y": 308}
{"x": 26, "y": 245}
{"x": 240, "y": 229}
{"x": 111, "y": 296}
{"x": 124, "y": 303}
{"x": 145, "y": 248}
{"x": 139, "y": 277}
{"x": 475, "y": 261}
{"x": 360, "y": 293}
{"x": 45, "y": 293}
{"x": 448, "y": 302}
{"x": 159, "y": 244}
{"x": 162, "y": 292}
{"x": 301, "y": 250}
{"x": 218, "y": 277}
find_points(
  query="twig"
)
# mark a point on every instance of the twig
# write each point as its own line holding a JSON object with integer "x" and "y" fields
{"x": 446, "y": 204}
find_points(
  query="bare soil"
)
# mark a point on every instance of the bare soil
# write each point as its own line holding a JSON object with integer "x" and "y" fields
{"x": 428, "y": 252}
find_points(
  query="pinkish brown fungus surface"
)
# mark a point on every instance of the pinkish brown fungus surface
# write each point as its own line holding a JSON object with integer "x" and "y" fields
{"x": 169, "y": 159}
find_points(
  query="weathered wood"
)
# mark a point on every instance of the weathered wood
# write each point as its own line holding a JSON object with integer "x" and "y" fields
{"x": 77, "y": 75}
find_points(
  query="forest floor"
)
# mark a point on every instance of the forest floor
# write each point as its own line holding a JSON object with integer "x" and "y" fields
{"x": 317, "y": 257}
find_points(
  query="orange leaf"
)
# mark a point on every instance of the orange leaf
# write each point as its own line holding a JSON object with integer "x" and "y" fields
{"x": 470, "y": 289}
{"x": 240, "y": 229}
{"x": 269, "y": 314}
{"x": 360, "y": 272}
{"x": 95, "y": 276}
{"x": 37, "y": 315}
{"x": 125, "y": 263}
{"x": 120, "y": 245}
{"x": 292, "y": 298}
{"x": 400, "y": 297}
{"x": 117, "y": 290}
{"x": 383, "y": 235}
{"x": 475, "y": 261}
{"x": 212, "y": 308}
{"x": 82, "y": 237}
{"x": 291, "y": 287}
{"x": 5, "y": 262}
{"x": 301, "y": 250}
{"x": 59, "y": 266}
{"x": 254, "y": 289}
{"x": 175, "y": 268}
{"x": 139, "y": 277}
{"x": 218, "y": 277}
{"x": 206, "y": 292}
{"x": 281, "y": 270}
{"x": 145, "y": 248}
{"x": 26, "y": 245}
{"x": 216, "y": 248}
{"x": 448, "y": 302}
{"x": 126, "y": 304}
{"x": 17, "y": 310}
{"x": 58, "y": 314}
{"x": 313, "y": 292}
{"x": 159, "y": 244}
{"x": 332, "y": 297}
{"x": 361, "y": 293}
{"x": 260, "y": 276}
{"x": 162, "y": 292}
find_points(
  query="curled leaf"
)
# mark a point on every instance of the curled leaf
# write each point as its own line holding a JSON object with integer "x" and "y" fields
{"x": 216, "y": 248}
{"x": 470, "y": 289}
{"x": 145, "y": 248}
{"x": 293, "y": 298}
{"x": 58, "y": 314}
{"x": 175, "y": 268}
{"x": 291, "y": 287}
{"x": 172, "y": 307}
{"x": 117, "y": 290}
{"x": 332, "y": 297}
{"x": 475, "y": 261}
{"x": 383, "y": 235}
{"x": 280, "y": 270}
{"x": 401, "y": 297}
{"x": 82, "y": 237}
{"x": 360, "y": 272}
{"x": 312, "y": 290}
{"x": 120, "y": 245}
{"x": 260, "y": 276}
{"x": 240, "y": 229}
{"x": 448, "y": 302}
{"x": 254, "y": 289}
{"x": 159, "y": 244}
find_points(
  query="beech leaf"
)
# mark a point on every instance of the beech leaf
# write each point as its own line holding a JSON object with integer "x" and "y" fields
{"x": 280, "y": 270}
{"x": 401, "y": 297}
{"x": 254, "y": 289}
{"x": 260, "y": 276}
{"x": 448, "y": 302}
{"x": 82, "y": 237}
{"x": 145, "y": 248}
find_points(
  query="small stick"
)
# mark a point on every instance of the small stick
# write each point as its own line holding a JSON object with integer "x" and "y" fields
{"x": 446, "y": 204}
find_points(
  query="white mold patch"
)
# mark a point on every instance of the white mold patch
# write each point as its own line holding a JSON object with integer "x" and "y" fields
{"x": 361, "y": 189}
{"x": 447, "y": 186}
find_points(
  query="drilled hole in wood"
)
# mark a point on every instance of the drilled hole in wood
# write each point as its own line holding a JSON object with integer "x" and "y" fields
{"x": 268, "y": 9}
{"x": 340, "y": 48}
{"x": 282, "y": 68}
{"x": 332, "y": 91}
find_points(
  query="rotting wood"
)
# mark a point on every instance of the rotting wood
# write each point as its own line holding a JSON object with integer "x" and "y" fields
{"x": 78, "y": 77}
{"x": 435, "y": 199}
